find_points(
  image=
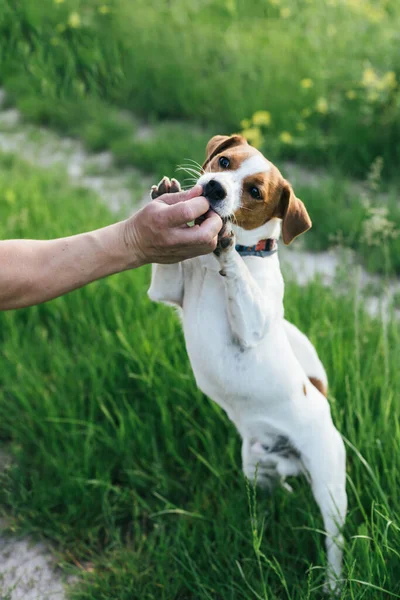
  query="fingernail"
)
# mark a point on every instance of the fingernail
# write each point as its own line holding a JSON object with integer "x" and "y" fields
{"x": 197, "y": 190}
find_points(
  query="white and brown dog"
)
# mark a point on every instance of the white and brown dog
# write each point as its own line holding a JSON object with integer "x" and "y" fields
{"x": 261, "y": 369}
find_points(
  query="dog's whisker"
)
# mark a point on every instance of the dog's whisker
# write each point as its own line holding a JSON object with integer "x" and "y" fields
{"x": 194, "y": 162}
{"x": 189, "y": 170}
{"x": 195, "y": 167}
{"x": 190, "y": 167}
{"x": 188, "y": 181}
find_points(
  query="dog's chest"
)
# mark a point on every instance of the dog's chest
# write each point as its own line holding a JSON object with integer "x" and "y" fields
{"x": 225, "y": 371}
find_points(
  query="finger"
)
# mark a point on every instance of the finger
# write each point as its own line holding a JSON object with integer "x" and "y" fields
{"x": 211, "y": 225}
{"x": 195, "y": 192}
{"x": 185, "y": 212}
{"x": 203, "y": 233}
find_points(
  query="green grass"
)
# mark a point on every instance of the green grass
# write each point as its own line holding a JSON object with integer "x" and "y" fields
{"x": 365, "y": 222}
{"x": 310, "y": 64}
{"x": 168, "y": 146}
{"x": 121, "y": 461}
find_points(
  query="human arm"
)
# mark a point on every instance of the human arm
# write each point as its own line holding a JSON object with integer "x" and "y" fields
{"x": 34, "y": 271}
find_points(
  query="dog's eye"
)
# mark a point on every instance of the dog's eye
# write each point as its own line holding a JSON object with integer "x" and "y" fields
{"x": 255, "y": 193}
{"x": 224, "y": 162}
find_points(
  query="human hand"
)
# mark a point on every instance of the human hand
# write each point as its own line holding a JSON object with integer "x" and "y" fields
{"x": 159, "y": 232}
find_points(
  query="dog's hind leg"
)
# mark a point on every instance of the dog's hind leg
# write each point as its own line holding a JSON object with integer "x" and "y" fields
{"x": 307, "y": 356}
{"x": 258, "y": 466}
{"x": 324, "y": 459}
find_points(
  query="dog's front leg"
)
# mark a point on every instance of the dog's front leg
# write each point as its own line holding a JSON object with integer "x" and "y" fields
{"x": 250, "y": 312}
{"x": 167, "y": 284}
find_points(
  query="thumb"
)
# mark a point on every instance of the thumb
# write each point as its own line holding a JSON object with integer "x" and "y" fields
{"x": 195, "y": 192}
{"x": 176, "y": 197}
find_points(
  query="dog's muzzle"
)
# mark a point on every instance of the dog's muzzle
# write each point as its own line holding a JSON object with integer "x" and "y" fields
{"x": 214, "y": 192}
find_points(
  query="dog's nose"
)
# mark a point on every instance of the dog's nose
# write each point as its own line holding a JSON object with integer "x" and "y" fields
{"x": 214, "y": 191}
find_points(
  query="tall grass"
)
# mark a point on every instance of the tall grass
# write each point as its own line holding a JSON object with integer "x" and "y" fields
{"x": 327, "y": 72}
{"x": 120, "y": 460}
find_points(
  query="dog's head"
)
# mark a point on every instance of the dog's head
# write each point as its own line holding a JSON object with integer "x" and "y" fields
{"x": 241, "y": 184}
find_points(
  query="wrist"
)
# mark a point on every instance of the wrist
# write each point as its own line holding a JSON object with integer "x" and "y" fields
{"x": 130, "y": 246}
{"x": 111, "y": 254}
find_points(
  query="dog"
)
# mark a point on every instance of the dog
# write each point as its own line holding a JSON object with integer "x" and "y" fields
{"x": 245, "y": 356}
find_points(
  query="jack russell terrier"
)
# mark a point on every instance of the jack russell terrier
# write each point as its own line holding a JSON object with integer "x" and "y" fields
{"x": 258, "y": 367}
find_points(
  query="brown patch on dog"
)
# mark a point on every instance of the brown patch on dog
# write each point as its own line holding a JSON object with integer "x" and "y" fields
{"x": 277, "y": 198}
{"x": 304, "y": 389}
{"x": 319, "y": 385}
{"x": 218, "y": 144}
{"x": 254, "y": 212}
{"x": 236, "y": 154}
{"x": 295, "y": 218}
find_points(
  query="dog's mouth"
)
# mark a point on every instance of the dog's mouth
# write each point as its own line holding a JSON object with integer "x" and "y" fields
{"x": 225, "y": 220}
{"x": 217, "y": 195}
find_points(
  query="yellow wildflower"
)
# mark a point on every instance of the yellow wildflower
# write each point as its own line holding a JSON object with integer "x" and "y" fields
{"x": 300, "y": 126}
{"x": 286, "y": 137}
{"x": 245, "y": 124}
{"x": 60, "y": 27}
{"x": 254, "y": 136}
{"x": 306, "y": 112}
{"x": 10, "y": 197}
{"x": 285, "y": 12}
{"x": 55, "y": 41}
{"x": 104, "y": 9}
{"x": 369, "y": 78}
{"x": 307, "y": 83}
{"x": 58, "y": 1}
{"x": 275, "y": 2}
{"x": 375, "y": 15}
{"x": 74, "y": 20}
{"x": 230, "y": 5}
{"x": 388, "y": 81}
{"x": 262, "y": 118}
{"x": 366, "y": 9}
{"x": 351, "y": 94}
{"x": 321, "y": 106}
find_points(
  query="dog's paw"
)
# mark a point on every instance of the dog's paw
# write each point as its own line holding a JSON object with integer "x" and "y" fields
{"x": 226, "y": 240}
{"x": 166, "y": 186}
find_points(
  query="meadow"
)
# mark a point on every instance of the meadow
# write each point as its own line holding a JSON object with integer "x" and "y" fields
{"x": 118, "y": 460}
{"x": 312, "y": 82}
{"x": 317, "y": 81}
{"x": 124, "y": 465}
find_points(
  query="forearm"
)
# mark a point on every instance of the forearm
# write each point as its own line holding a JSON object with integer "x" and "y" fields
{"x": 33, "y": 271}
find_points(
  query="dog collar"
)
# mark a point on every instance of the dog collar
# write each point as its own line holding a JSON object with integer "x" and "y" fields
{"x": 262, "y": 248}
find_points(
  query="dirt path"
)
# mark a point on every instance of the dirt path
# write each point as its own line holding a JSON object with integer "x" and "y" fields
{"x": 27, "y": 570}
{"x": 121, "y": 189}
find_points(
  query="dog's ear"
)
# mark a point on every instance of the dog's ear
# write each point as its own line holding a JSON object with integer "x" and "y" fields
{"x": 295, "y": 218}
{"x": 219, "y": 143}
